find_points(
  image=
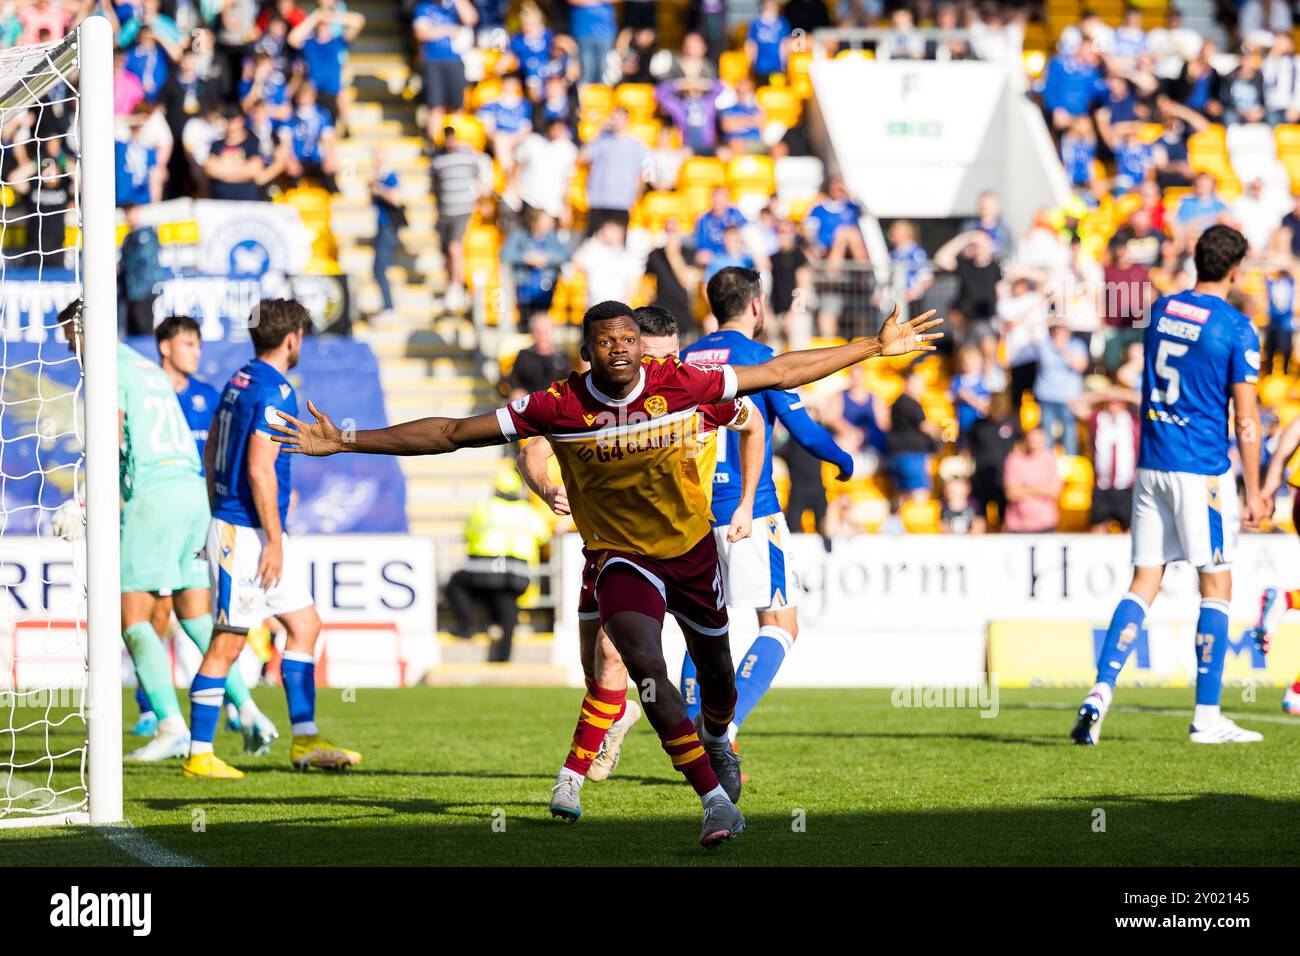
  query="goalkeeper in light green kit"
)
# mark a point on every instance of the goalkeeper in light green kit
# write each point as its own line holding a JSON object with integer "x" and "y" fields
{"x": 165, "y": 522}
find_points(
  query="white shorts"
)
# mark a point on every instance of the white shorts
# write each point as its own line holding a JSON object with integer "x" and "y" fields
{"x": 758, "y": 572}
{"x": 234, "y": 552}
{"x": 1183, "y": 517}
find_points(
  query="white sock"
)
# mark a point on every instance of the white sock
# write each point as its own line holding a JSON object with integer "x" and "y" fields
{"x": 1205, "y": 715}
{"x": 306, "y": 728}
{"x": 708, "y": 737}
{"x": 714, "y": 794}
{"x": 732, "y": 731}
{"x": 200, "y": 747}
{"x": 1104, "y": 692}
{"x": 175, "y": 725}
{"x": 566, "y": 772}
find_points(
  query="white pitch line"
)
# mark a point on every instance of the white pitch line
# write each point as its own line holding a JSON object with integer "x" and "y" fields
{"x": 1244, "y": 715}
{"x": 124, "y": 836}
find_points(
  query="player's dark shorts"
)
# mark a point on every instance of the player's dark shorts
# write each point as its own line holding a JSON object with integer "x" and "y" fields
{"x": 689, "y": 587}
{"x": 588, "y": 610}
{"x": 444, "y": 83}
{"x": 1112, "y": 504}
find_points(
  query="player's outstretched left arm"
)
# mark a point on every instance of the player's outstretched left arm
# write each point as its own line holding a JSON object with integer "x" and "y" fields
{"x": 753, "y": 446}
{"x": 425, "y": 436}
{"x": 532, "y": 462}
{"x": 794, "y": 369}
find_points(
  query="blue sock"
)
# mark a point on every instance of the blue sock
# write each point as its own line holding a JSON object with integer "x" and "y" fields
{"x": 690, "y": 688}
{"x": 758, "y": 668}
{"x": 1211, "y": 651}
{"x": 1125, "y": 625}
{"x": 205, "y": 710}
{"x": 298, "y": 672}
{"x": 142, "y": 700}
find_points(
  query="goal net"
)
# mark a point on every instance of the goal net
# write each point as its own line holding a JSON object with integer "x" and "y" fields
{"x": 60, "y": 657}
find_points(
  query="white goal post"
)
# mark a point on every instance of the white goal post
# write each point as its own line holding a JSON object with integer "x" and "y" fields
{"x": 60, "y": 675}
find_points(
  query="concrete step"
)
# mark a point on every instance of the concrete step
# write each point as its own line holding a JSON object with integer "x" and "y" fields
{"x": 526, "y": 648}
{"x": 436, "y": 528}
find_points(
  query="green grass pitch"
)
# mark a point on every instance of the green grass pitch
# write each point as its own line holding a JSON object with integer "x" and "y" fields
{"x": 461, "y": 777}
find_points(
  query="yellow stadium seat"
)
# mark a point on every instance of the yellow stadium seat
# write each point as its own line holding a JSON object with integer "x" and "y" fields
{"x": 1287, "y": 136}
{"x": 484, "y": 92}
{"x": 697, "y": 200}
{"x": 779, "y": 105}
{"x": 920, "y": 517}
{"x": 1034, "y": 62}
{"x": 656, "y": 208}
{"x": 1030, "y": 414}
{"x": 468, "y": 130}
{"x": 595, "y": 98}
{"x": 589, "y": 129}
{"x": 637, "y": 98}
{"x": 733, "y": 66}
{"x": 578, "y": 190}
{"x": 1150, "y": 132}
{"x": 1212, "y": 137}
{"x": 646, "y": 130}
{"x": 749, "y": 174}
{"x": 798, "y": 72}
{"x": 702, "y": 171}
{"x": 1273, "y": 389}
{"x": 482, "y": 242}
{"x": 855, "y": 55}
{"x": 1074, "y": 470}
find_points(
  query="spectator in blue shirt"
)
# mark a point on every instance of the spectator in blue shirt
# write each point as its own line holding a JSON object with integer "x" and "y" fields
{"x": 1079, "y": 153}
{"x": 151, "y": 62}
{"x": 907, "y": 254}
{"x": 768, "y": 40}
{"x": 324, "y": 37}
{"x": 593, "y": 26}
{"x": 390, "y": 216}
{"x": 314, "y": 139}
{"x": 710, "y": 227}
{"x": 263, "y": 79}
{"x": 1073, "y": 84}
{"x": 1202, "y": 209}
{"x": 138, "y": 175}
{"x": 834, "y": 220}
{"x": 1132, "y": 161}
{"x": 733, "y": 253}
{"x": 507, "y": 120}
{"x": 435, "y": 23}
{"x": 535, "y": 256}
{"x": 530, "y": 48}
{"x": 970, "y": 396}
{"x": 1281, "y": 321}
{"x": 1062, "y": 360}
{"x": 742, "y": 122}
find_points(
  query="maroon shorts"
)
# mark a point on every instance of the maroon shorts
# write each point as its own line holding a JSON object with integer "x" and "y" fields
{"x": 588, "y": 609}
{"x": 689, "y": 586}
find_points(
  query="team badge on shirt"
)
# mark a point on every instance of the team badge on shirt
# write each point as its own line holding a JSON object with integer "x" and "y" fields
{"x": 656, "y": 406}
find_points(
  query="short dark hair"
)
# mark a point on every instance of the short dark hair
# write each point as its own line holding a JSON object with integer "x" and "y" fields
{"x": 731, "y": 290}
{"x": 601, "y": 311}
{"x": 274, "y": 320}
{"x": 656, "y": 321}
{"x": 174, "y": 325}
{"x": 69, "y": 312}
{"x": 1218, "y": 252}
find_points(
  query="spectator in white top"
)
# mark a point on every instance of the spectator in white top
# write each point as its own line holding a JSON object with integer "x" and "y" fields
{"x": 1281, "y": 81}
{"x": 1256, "y": 15}
{"x": 1114, "y": 429}
{"x": 546, "y": 167}
{"x": 1257, "y": 215}
{"x": 1021, "y": 321}
{"x": 612, "y": 271}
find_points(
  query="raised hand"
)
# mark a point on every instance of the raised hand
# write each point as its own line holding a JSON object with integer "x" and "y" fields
{"x": 901, "y": 338}
{"x": 318, "y": 439}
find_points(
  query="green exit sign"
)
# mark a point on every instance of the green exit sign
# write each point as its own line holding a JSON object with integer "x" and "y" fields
{"x": 931, "y": 129}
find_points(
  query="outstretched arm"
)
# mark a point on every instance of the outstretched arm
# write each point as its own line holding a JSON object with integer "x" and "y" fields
{"x": 753, "y": 443}
{"x": 794, "y": 369}
{"x": 532, "y": 464}
{"x": 425, "y": 436}
{"x": 1246, "y": 408}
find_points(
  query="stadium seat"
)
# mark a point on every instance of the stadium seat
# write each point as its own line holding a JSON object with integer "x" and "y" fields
{"x": 799, "y": 177}
{"x": 779, "y": 105}
{"x": 1287, "y": 136}
{"x": 733, "y": 66}
{"x": 1034, "y": 61}
{"x": 1074, "y": 470}
{"x": 646, "y": 130}
{"x": 637, "y": 98}
{"x": 748, "y": 175}
{"x": 920, "y": 517}
{"x": 595, "y": 100}
{"x": 697, "y": 200}
{"x": 468, "y": 130}
{"x": 578, "y": 189}
{"x": 798, "y": 72}
{"x": 850, "y": 54}
{"x": 702, "y": 171}
{"x": 656, "y": 208}
{"x": 484, "y": 92}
